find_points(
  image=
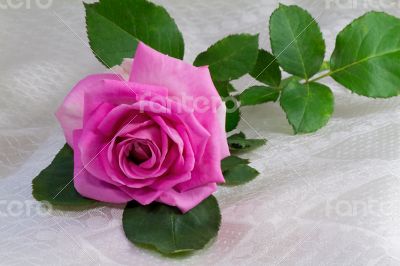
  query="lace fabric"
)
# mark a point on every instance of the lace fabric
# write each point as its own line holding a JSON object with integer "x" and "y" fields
{"x": 328, "y": 198}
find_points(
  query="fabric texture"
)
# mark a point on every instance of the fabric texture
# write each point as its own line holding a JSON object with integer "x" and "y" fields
{"x": 328, "y": 198}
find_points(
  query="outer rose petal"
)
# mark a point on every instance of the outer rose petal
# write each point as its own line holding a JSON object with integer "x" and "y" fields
{"x": 118, "y": 92}
{"x": 92, "y": 146}
{"x": 70, "y": 113}
{"x": 155, "y": 68}
{"x": 90, "y": 186}
{"x": 208, "y": 168}
{"x": 142, "y": 195}
{"x": 188, "y": 199}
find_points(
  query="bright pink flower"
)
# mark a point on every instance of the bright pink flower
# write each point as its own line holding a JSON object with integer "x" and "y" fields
{"x": 158, "y": 136}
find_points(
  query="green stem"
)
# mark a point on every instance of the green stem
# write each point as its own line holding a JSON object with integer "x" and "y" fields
{"x": 321, "y": 77}
{"x": 324, "y": 67}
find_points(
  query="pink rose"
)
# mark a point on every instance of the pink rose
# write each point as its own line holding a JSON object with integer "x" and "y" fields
{"x": 158, "y": 136}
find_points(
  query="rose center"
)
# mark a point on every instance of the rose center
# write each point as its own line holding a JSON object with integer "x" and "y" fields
{"x": 139, "y": 152}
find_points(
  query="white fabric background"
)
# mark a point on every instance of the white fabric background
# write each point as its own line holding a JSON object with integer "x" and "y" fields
{"x": 329, "y": 198}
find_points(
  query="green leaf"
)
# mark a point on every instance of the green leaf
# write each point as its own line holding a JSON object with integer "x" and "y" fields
{"x": 366, "y": 59}
{"x": 232, "y": 115}
{"x": 308, "y": 107}
{"x": 258, "y": 94}
{"x": 239, "y": 175}
{"x": 296, "y": 41}
{"x": 231, "y": 57}
{"x": 230, "y": 88}
{"x": 169, "y": 231}
{"x": 55, "y": 185}
{"x": 267, "y": 69}
{"x": 232, "y": 161}
{"x": 114, "y": 29}
{"x": 238, "y": 142}
{"x": 223, "y": 88}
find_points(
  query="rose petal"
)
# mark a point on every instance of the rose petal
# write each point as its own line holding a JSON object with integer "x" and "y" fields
{"x": 142, "y": 195}
{"x": 93, "y": 147}
{"x": 134, "y": 171}
{"x": 70, "y": 113}
{"x": 155, "y": 68}
{"x": 119, "y": 176}
{"x": 91, "y": 187}
{"x": 119, "y": 92}
{"x": 169, "y": 181}
{"x": 208, "y": 168}
{"x": 188, "y": 199}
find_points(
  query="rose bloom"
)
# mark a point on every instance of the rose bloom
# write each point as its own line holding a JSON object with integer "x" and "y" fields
{"x": 142, "y": 134}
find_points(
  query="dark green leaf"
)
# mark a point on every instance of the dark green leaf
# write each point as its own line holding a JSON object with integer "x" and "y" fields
{"x": 232, "y": 161}
{"x": 258, "y": 94}
{"x": 231, "y": 57}
{"x": 238, "y": 142}
{"x": 296, "y": 41}
{"x": 224, "y": 88}
{"x": 267, "y": 69}
{"x": 366, "y": 59}
{"x": 115, "y": 27}
{"x": 239, "y": 175}
{"x": 55, "y": 185}
{"x": 308, "y": 107}
{"x": 169, "y": 231}
{"x": 232, "y": 114}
